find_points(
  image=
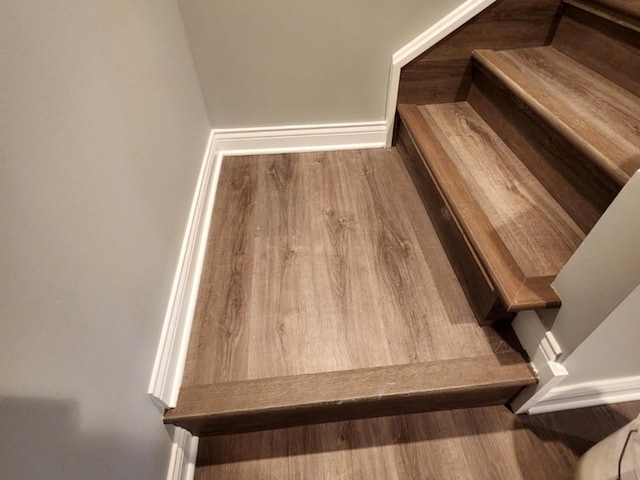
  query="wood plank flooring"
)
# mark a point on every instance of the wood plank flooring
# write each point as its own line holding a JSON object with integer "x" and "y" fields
{"x": 487, "y": 443}
{"x": 324, "y": 262}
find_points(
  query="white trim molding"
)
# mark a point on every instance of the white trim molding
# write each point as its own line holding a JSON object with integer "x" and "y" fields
{"x": 603, "y": 392}
{"x": 299, "y": 138}
{"x": 421, "y": 44}
{"x": 543, "y": 352}
{"x": 168, "y": 369}
{"x": 184, "y": 452}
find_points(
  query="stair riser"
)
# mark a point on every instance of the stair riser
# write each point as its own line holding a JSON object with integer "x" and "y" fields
{"x": 602, "y": 45}
{"x": 443, "y": 73}
{"x": 481, "y": 294}
{"x": 579, "y": 186}
{"x": 272, "y": 419}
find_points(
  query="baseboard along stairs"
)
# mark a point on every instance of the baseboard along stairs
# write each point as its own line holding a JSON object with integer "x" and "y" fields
{"x": 514, "y": 152}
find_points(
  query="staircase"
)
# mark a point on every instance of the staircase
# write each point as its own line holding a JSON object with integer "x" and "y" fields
{"x": 513, "y": 175}
{"x": 516, "y": 175}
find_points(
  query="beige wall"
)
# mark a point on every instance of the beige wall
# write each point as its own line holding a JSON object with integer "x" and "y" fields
{"x": 298, "y": 62}
{"x": 102, "y": 132}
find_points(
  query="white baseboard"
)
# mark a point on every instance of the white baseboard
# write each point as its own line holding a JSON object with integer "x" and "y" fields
{"x": 590, "y": 394}
{"x": 549, "y": 395}
{"x": 174, "y": 342}
{"x": 184, "y": 452}
{"x": 301, "y": 138}
{"x": 419, "y": 45}
{"x": 543, "y": 353}
{"x": 172, "y": 351}
{"x": 169, "y": 364}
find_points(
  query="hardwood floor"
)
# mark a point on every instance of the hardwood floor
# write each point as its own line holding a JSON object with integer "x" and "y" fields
{"x": 488, "y": 443}
{"x": 324, "y": 262}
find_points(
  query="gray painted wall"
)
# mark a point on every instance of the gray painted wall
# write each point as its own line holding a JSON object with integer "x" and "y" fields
{"x": 601, "y": 273}
{"x": 102, "y": 133}
{"x": 264, "y": 63}
{"x": 612, "y": 350}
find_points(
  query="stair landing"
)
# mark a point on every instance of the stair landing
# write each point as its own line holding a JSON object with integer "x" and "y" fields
{"x": 326, "y": 295}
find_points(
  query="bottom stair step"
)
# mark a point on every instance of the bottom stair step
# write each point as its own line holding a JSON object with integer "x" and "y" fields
{"x": 520, "y": 235}
{"x": 280, "y": 402}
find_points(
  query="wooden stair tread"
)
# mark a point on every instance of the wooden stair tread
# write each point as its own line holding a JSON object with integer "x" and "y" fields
{"x": 537, "y": 232}
{"x": 519, "y": 232}
{"x": 278, "y": 402}
{"x": 597, "y": 116}
{"x": 622, "y": 12}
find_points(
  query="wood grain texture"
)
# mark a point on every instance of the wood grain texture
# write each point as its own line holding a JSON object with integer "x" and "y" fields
{"x": 535, "y": 229}
{"x": 324, "y": 262}
{"x": 606, "y": 47}
{"x": 478, "y": 287}
{"x": 443, "y": 73}
{"x": 600, "y": 119}
{"x": 580, "y": 187}
{"x": 223, "y": 301}
{"x": 235, "y": 407}
{"x": 488, "y": 443}
{"x": 494, "y": 202}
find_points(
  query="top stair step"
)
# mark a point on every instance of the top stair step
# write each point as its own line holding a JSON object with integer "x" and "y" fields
{"x": 622, "y": 12}
{"x": 597, "y": 117}
{"x": 603, "y": 35}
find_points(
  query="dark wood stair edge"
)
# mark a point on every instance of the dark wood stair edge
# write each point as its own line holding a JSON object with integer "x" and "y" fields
{"x": 280, "y": 402}
{"x": 480, "y": 291}
{"x": 482, "y": 60}
{"x": 617, "y": 12}
{"x": 517, "y": 292}
{"x": 579, "y": 187}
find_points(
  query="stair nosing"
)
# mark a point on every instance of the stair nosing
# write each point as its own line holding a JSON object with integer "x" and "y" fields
{"x": 350, "y": 387}
{"x": 518, "y": 292}
{"x": 570, "y": 135}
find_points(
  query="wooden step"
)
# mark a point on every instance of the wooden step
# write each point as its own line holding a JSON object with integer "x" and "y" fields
{"x": 519, "y": 234}
{"x": 622, "y": 12}
{"x": 270, "y": 403}
{"x": 597, "y": 117}
{"x": 604, "y": 36}
{"x": 582, "y": 188}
